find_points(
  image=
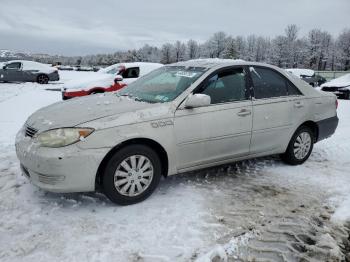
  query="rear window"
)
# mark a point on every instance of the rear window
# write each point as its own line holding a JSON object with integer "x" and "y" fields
{"x": 267, "y": 83}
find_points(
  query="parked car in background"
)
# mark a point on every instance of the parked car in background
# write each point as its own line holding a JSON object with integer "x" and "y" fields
{"x": 308, "y": 76}
{"x": 117, "y": 85}
{"x": 28, "y": 71}
{"x": 65, "y": 67}
{"x": 178, "y": 118}
{"x": 106, "y": 80}
{"x": 83, "y": 68}
{"x": 339, "y": 86}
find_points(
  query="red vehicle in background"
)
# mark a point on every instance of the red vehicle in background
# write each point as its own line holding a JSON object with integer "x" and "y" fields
{"x": 118, "y": 84}
{"x": 108, "y": 79}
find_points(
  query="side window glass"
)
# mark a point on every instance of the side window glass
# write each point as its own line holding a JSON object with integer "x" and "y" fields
{"x": 267, "y": 83}
{"x": 292, "y": 90}
{"x": 227, "y": 86}
{"x": 14, "y": 66}
{"x": 131, "y": 72}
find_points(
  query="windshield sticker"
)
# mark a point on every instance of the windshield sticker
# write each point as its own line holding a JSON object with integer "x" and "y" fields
{"x": 186, "y": 74}
{"x": 161, "y": 98}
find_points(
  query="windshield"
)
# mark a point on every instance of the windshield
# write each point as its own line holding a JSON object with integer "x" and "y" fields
{"x": 164, "y": 84}
{"x": 113, "y": 69}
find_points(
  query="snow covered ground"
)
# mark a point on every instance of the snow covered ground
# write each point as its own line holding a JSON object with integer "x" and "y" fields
{"x": 258, "y": 209}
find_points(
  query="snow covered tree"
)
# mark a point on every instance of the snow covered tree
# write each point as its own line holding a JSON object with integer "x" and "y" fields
{"x": 216, "y": 44}
{"x": 240, "y": 47}
{"x": 192, "y": 49}
{"x": 167, "y": 51}
{"x": 343, "y": 45}
{"x": 179, "y": 51}
{"x": 319, "y": 42}
{"x": 230, "y": 48}
{"x": 291, "y": 53}
{"x": 278, "y": 56}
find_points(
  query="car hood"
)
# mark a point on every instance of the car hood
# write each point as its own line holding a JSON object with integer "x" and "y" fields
{"x": 76, "y": 112}
{"x": 343, "y": 81}
{"x": 95, "y": 80}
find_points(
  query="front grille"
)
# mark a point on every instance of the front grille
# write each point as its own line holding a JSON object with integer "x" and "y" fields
{"x": 30, "y": 131}
{"x": 329, "y": 89}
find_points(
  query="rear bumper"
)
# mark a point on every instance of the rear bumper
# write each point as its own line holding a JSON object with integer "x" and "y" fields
{"x": 54, "y": 77}
{"x": 327, "y": 127}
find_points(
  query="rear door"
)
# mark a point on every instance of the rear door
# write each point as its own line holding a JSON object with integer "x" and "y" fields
{"x": 272, "y": 110}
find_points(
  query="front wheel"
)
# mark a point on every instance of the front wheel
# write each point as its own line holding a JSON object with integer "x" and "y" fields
{"x": 300, "y": 146}
{"x": 131, "y": 175}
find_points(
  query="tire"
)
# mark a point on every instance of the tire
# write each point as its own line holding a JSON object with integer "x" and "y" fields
{"x": 42, "y": 79}
{"x": 293, "y": 156}
{"x": 118, "y": 188}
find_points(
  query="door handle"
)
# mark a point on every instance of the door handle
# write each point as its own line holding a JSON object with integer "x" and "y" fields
{"x": 244, "y": 112}
{"x": 298, "y": 104}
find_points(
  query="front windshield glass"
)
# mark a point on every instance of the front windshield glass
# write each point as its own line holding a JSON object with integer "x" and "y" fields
{"x": 164, "y": 84}
{"x": 113, "y": 69}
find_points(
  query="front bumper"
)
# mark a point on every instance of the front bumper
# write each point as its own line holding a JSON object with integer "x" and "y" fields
{"x": 62, "y": 170}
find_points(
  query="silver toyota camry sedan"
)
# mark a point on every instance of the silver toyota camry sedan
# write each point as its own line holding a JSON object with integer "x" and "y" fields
{"x": 178, "y": 118}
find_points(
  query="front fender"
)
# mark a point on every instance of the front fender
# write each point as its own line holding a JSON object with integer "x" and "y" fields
{"x": 112, "y": 137}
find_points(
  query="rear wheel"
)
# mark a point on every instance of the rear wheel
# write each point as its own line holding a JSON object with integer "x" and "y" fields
{"x": 131, "y": 175}
{"x": 42, "y": 79}
{"x": 300, "y": 146}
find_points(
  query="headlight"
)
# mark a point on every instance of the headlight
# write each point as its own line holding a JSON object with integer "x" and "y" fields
{"x": 62, "y": 136}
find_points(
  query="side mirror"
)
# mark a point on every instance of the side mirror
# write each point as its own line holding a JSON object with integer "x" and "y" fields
{"x": 118, "y": 78}
{"x": 197, "y": 100}
{"x": 4, "y": 67}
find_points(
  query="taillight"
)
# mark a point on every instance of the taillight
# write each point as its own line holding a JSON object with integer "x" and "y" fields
{"x": 336, "y": 103}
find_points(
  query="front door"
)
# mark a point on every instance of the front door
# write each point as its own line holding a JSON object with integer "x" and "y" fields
{"x": 13, "y": 72}
{"x": 220, "y": 131}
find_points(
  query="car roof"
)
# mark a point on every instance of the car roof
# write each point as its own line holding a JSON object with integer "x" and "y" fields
{"x": 211, "y": 63}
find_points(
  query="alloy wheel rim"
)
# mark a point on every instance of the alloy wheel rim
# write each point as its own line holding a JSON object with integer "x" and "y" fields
{"x": 42, "y": 79}
{"x": 302, "y": 145}
{"x": 133, "y": 175}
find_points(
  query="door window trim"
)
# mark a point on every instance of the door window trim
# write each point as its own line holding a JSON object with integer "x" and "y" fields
{"x": 274, "y": 97}
{"x": 16, "y": 69}
{"x": 223, "y": 69}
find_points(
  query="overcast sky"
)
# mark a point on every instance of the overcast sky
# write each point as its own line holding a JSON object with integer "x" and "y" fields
{"x": 77, "y": 27}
